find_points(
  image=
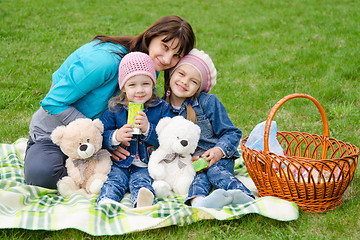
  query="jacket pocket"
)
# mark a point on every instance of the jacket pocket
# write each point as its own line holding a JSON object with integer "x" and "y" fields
{"x": 205, "y": 126}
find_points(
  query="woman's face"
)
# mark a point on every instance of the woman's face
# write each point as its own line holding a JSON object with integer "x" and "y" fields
{"x": 164, "y": 54}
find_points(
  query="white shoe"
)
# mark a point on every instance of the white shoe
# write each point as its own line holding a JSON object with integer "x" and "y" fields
{"x": 145, "y": 198}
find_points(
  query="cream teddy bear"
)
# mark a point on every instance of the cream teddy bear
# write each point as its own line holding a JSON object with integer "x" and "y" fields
{"x": 88, "y": 165}
{"x": 170, "y": 165}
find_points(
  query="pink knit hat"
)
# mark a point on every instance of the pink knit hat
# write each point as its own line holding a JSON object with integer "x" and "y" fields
{"x": 136, "y": 63}
{"x": 203, "y": 63}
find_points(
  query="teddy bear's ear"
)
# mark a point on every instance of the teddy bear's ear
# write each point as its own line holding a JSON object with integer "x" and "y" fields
{"x": 57, "y": 134}
{"x": 99, "y": 125}
{"x": 162, "y": 123}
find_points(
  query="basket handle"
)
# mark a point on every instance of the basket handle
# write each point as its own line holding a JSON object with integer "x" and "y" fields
{"x": 281, "y": 102}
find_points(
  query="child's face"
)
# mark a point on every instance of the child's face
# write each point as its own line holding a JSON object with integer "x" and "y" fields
{"x": 164, "y": 54}
{"x": 185, "y": 82}
{"x": 138, "y": 89}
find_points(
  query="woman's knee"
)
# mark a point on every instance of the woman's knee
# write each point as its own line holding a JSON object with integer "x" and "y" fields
{"x": 42, "y": 177}
{"x": 44, "y": 166}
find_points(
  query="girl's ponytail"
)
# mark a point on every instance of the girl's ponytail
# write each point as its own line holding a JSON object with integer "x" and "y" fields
{"x": 190, "y": 112}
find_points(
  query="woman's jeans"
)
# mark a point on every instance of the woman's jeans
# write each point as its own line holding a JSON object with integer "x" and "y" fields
{"x": 122, "y": 179}
{"x": 44, "y": 164}
{"x": 220, "y": 176}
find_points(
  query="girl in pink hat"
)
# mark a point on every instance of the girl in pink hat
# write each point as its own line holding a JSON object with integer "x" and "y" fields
{"x": 137, "y": 79}
{"x": 186, "y": 90}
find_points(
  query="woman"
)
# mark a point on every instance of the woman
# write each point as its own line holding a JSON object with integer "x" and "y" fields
{"x": 85, "y": 82}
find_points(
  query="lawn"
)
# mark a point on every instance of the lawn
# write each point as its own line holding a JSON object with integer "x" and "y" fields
{"x": 263, "y": 51}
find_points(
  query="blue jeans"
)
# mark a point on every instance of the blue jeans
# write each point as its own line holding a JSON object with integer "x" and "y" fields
{"x": 121, "y": 180}
{"x": 44, "y": 164}
{"x": 220, "y": 176}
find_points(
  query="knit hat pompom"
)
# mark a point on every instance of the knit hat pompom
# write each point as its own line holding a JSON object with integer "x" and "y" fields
{"x": 136, "y": 63}
{"x": 203, "y": 63}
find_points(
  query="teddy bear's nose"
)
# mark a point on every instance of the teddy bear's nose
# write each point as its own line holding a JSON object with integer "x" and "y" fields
{"x": 184, "y": 143}
{"x": 83, "y": 147}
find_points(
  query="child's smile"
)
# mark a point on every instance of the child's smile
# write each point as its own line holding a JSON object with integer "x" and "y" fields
{"x": 184, "y": 83}
{"x": 180, "y": 87}
{"x": 139, "y": 98}
{"x": 138, "y": 88}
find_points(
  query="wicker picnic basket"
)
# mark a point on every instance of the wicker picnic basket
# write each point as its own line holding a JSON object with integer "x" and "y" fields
{"x": 315, "y": 171}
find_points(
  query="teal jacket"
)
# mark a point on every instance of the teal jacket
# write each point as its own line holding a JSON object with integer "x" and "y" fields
{"x": 86, "y": 80}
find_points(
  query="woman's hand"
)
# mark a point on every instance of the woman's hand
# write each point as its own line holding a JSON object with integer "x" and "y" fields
{"x": 141, "y": 122}
{"x": 119, "y": 154}
{"x": 213, "y": 155}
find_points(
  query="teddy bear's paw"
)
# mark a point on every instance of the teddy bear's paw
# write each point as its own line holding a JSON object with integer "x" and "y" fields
{"x": 162, "y": 189}
{"x": 158, "y": 175}
{"x": 95, "y": 186}
{"x": 156, "y": 171}
{"x": 182, "y": 185}
{"x": 66, "y": 187}
{"x": 64, "y": 190}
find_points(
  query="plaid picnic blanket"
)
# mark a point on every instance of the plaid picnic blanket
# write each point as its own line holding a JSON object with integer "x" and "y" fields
{"x": 36, "y": 208}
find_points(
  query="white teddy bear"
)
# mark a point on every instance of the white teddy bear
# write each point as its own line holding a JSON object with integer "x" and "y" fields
{"x": 170, "y": 165}
{"x": 88, "y": 165}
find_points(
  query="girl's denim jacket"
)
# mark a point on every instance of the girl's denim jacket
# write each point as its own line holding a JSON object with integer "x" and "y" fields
{"x": 117, "y": 117}
{"x": 217, "y": 130}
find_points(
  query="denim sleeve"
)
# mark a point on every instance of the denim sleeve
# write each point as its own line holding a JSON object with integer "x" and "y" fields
{"x": 109, "y": 121}
{"x": 164, "y": 111}
{"x": 82, "y": 76}
{"x": 228, "y": 135}
{"x": 151, "y": 138}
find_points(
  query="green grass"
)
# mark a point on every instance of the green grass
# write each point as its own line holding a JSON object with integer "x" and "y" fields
{"x": 263, "y": 51}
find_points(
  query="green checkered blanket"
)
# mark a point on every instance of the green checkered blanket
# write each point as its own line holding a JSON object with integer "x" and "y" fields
{"x": 36, "y": 208}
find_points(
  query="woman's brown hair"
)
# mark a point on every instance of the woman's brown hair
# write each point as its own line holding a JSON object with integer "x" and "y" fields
{"x": 172, "y": 27}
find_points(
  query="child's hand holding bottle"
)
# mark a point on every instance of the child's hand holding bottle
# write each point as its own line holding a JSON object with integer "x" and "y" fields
{"x": 213, "y": 155}
{"x": 123, "y": 134}
{"x": 141, "y": 122}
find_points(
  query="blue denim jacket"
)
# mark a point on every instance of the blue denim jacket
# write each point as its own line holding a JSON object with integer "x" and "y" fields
{"x": 115, "y": 119}
{"x": 217, "y": 130}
